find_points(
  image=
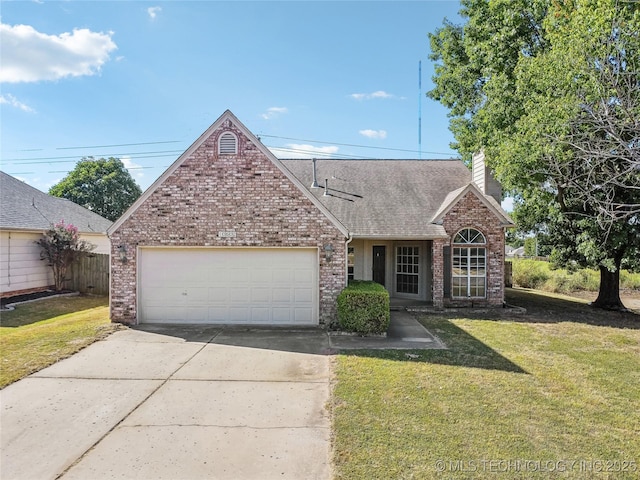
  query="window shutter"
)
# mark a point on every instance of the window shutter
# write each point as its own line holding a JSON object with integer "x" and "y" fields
{"x": 446, "y": 270}
{"x": 228, "y": 144}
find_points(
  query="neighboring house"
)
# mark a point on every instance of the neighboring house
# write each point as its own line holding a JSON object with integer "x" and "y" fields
{"x": 514, "y": 252}
{"x": 25, "y": 214}
{"x": 231, "y": 234}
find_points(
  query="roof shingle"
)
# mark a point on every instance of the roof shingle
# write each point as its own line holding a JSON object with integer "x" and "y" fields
{"x": 384, "y": 198}
{"x": 23, "y": 207}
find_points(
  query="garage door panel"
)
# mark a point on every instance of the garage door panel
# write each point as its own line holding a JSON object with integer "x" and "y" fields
{"x": 239, "y": 315}
{"x": 303, "y": 295}
{"x": 260, "y": 295}
{"x": 282, "y": 295}
{"x": 237, "y": 275}
{"x": 164, "y": 296}
{"x": 212, "y": 285}
{"x": 260, "y": 315}
{"x": 198, "y": 295}
{"x": 282, "y": 315}
{"x": 303, "y": 315}
{"x": 281, "y": 275}
{"x": 218, "y": 295}
{"x": 303, "y": 276}
{"x": 261, "y": 275}
{"x": 217, "y": 315}
{"x": 197, "y": 314}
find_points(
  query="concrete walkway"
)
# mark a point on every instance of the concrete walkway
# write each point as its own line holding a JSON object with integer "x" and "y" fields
{"x": 168, "y": 402}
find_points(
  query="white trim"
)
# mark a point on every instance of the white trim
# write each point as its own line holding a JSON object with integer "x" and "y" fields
{"x": 227, "y": 115}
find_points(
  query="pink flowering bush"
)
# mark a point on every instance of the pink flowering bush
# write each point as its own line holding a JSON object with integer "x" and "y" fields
{"x": 61, "y": 247}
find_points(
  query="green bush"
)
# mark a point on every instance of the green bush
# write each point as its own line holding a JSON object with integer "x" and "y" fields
{"x": 363, "y": 307}
{"x": 530, "y": 273}
{"x": 630, "y": 281}
{"x": 540, "y": 275}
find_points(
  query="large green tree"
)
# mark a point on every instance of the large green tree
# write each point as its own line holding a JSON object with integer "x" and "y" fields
{"x": 103, "y": 186}
{"x": 550, "y": 91}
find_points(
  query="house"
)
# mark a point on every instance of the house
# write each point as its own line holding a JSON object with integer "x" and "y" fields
{"x": 514, "y": 252}
{"x": 25, "y": 214}
{"x": 231, "y": 234}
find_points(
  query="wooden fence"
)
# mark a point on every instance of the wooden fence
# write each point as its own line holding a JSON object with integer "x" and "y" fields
{"x": 508, "y": 274}
{"x": 90, "y": 275}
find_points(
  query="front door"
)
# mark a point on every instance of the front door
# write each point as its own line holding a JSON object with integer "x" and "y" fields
{"x": 379, "y": 263}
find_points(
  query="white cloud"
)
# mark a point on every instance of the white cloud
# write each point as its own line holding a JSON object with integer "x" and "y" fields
{"x": 296, "y": 150}
{"x": 9, "y": 99}
{"x": 507, "y": 204}
{"x": 133, "y": 168}
{"x": 153, "y": 12}
{"x": 31, "y": 56}
{"x": 274, "y": 112}
{"x": 382, "y": 134}
{"x": 371, "y": 96}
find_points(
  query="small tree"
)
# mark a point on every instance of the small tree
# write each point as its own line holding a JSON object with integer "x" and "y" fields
{"x": 61, "y": 247}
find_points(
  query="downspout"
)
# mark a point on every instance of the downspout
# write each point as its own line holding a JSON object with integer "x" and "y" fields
{"x": 9, "y": 261}
{"x": 346, "y": 258}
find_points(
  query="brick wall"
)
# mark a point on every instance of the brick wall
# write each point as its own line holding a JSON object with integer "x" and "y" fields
{"x": 209, "y": 193}
{"x": 470, "y": 212}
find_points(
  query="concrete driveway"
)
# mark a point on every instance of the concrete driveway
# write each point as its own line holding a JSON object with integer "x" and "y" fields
{"x": 175, "y": 403}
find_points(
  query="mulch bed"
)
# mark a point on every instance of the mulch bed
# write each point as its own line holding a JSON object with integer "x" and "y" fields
{"x": 30, "y": 296}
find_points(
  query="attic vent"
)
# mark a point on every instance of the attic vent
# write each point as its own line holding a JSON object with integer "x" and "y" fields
{"x": 228, "y": 144}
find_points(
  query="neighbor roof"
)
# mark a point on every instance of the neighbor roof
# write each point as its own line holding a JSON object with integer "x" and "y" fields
{"x": 384, "y": 198}
{"x": 26, "y": 208}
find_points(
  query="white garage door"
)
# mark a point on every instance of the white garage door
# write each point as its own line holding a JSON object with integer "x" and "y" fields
{"x": 275, "y": 286}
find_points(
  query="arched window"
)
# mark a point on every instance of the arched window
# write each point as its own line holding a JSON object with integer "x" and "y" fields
{"x": 228, "y": 144}
{"x": 469, "y": 264}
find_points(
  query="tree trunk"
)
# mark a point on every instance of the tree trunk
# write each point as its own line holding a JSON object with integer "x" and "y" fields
{"x": 609, "y": 293}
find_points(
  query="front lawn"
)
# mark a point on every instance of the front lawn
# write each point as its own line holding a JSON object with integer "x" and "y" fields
{"x": 36, "y": 335}
{"x": 545, "y": 395}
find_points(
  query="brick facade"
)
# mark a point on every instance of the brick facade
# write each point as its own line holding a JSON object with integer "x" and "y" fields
{"x": 208, "y": 193}
{"x": 471, "y": 212}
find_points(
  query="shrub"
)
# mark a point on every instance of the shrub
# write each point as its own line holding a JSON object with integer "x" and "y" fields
{"x": 629, "y": 280}
{"x": 540, "y": 275}
{"x": 60, "y": 247}
{"x": 530, "y": 273}
{"x": 363, "y": 307}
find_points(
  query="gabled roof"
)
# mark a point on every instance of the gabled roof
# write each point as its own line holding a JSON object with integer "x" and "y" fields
{"x": 384, "y": 198}
{"x": 453, "y": 197}
{"x": 24, "y": 207}
{"x": 226, "y": 116}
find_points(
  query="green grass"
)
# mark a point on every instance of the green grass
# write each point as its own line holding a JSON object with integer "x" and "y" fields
{"x": 534, "y": 387}
{"x": 538, "y": 274}
{"x": 36, "y": 335}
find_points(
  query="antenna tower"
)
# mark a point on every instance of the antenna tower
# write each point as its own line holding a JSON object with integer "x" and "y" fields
{"x": 420, "y": 109}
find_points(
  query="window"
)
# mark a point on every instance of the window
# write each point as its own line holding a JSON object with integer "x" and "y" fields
{"x": 351, "y": 262}
{"x": 469, "y": 264}
{"x": 407, "y": 269}
{"x": 228, "y": 144}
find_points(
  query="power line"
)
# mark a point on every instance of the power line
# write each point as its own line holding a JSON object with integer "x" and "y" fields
{"x": 119, "y": 145}
{"x": 35, "y": 160}
{"x": 354, "y": 145}
{"x": 311, "y": 152}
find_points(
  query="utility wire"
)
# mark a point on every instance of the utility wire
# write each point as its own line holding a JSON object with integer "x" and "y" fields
{"x": 353, "y": 145}
{"x": 25, "y": 161}
{"x": 118, "y": 145}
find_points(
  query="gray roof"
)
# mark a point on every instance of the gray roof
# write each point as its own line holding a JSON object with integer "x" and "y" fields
{"x": 384, "y": 198}
{"x": 23, "y": 207}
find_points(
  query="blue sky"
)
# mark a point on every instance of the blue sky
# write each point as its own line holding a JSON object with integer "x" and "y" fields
{"x": 142, "y": 80}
